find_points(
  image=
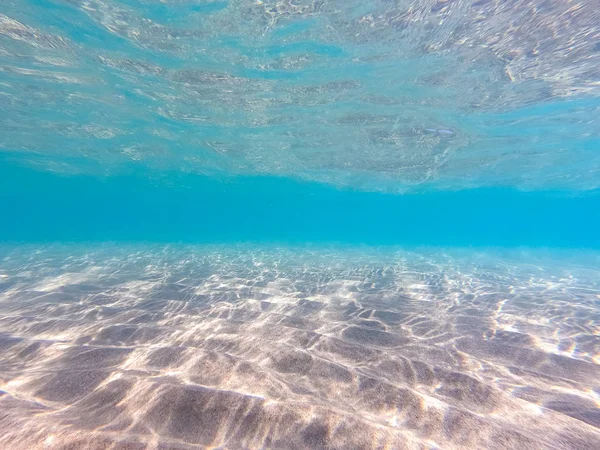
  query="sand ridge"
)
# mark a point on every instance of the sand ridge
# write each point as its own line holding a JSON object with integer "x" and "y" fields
{"x": 244, "y": 347}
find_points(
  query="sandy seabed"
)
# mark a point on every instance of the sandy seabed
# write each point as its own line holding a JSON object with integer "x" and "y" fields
{"x": 240, "y": 347}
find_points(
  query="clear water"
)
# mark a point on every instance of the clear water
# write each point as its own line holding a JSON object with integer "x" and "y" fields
{"x": 299, "y": 224}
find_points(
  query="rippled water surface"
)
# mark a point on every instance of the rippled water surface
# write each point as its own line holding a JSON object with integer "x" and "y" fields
{"x": 384, "y": 95}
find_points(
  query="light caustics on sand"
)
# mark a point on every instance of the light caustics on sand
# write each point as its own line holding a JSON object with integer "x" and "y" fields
{"x": 242, "y": 347}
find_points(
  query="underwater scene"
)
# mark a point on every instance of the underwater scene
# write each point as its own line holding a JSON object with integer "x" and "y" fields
{"x": 299, "y": 224}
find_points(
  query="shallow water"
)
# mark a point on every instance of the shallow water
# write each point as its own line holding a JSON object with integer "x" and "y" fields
{"x": 299, "y": 224}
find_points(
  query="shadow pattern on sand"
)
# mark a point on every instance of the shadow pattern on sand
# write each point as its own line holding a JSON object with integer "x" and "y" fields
{"x": 116, "y": 347}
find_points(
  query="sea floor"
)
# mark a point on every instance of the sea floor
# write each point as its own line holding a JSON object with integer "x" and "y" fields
{"x": 176, "y": 347}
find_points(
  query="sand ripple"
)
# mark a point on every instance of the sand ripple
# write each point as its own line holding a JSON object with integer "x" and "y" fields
{"x": 293, "y": 348}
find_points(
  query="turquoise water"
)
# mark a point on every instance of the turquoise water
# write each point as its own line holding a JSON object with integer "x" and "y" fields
{"x": 407, "y": 122}
{"x": 299, "y": 224}
{"x": 190, "y": 208}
